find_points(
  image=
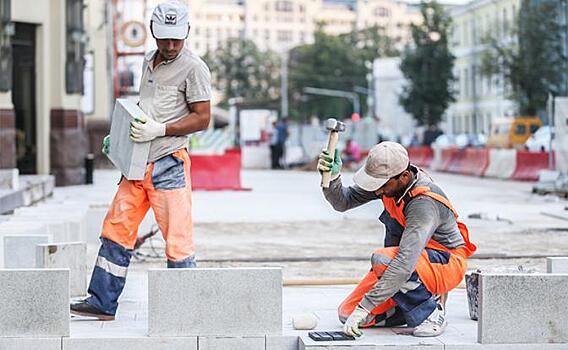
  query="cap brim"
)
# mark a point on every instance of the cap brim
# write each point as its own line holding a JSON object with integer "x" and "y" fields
{"x": 367, "y": 182}
{"x": 162, "y": 31}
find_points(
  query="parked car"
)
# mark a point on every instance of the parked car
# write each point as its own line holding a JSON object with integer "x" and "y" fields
{"x": 540, "y": 140}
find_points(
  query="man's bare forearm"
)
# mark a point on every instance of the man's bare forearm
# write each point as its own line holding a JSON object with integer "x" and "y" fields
{"x": 198, "y": 119}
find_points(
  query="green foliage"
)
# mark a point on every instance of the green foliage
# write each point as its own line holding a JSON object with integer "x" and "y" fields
{"x": 427, "y": 66}
{"x": 333, "y": 62}
{"x": 240, "y": 69}
{"x": 533, "y": 65}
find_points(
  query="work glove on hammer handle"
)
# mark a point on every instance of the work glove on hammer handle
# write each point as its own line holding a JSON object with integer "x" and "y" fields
{"x": 325, "y": 163}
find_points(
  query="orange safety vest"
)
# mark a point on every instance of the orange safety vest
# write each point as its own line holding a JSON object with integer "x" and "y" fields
{"x": 438, "y": 279}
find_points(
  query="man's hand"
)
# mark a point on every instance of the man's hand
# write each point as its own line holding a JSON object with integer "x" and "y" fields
{"x": 325, "y": 163}
{"x": 357, "y": 317}
{"x": 106, "y": 144}
{"x": 146, "y": 129}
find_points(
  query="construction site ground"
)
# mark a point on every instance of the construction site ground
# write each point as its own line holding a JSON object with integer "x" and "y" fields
{"x": 284, "y": 221}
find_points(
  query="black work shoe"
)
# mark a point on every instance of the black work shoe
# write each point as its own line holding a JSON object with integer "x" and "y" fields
{"x": 82, "y": 308}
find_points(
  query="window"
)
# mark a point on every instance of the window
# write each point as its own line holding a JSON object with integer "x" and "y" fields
{"x": 284, "y": 6}
{"x": 534, "y": 128}
{"x": 6, "y": 30}
{"x": 76, "y": 40}
{"x": 284, "y": 35}
{"x": 382, "y": 12}
{"x": 520, "y": 129}
{"x": 266, "y": 34}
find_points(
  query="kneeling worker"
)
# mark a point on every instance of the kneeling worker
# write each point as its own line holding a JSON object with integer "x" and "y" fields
{"x": 426, "y": 248}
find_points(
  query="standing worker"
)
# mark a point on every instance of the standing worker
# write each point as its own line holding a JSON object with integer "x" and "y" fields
{"x": 175, "y": 90}
{"x": 282, "y": 132}
{"x": 426, "y": 247}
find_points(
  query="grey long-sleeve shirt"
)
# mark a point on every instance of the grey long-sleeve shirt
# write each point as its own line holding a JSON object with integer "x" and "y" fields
{"x": 425, "y": 218}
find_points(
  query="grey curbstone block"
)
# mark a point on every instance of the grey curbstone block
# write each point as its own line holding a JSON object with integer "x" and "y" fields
{"x": 20, "y": 250}
{"x": 128, "y": 156}
{"x": 523, "y": 308}
{"x": 291, "y": 342}
{"x": 215, "y": 302}
{"x": 557, "y": 265}
{"x": 34, "y": 303}
{"x": 134, "y": 343}
{"x": 236, "y": 343}
{"x": 71, "y": 255}
{"x": 30, "y": 343}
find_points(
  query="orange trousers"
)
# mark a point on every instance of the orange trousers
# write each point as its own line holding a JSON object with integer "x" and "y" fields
{"x": 437, "y": 278}
{"x": 171, "y": 206}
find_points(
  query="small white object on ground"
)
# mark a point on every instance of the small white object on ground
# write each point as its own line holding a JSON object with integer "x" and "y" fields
{"x": 305, "y": 321}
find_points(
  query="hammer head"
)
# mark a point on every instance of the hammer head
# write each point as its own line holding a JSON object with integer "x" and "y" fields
{"x": 333, "y": 124}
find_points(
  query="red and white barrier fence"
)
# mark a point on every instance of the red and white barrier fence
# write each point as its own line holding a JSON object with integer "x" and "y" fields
{"x": 499, "y": 163}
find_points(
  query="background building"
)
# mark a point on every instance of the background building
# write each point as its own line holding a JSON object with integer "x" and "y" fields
{"x": 42, "y": 125}
{"x": 394, "y": 121}
{"x": 282, "y": 24}
{"x": 479, "y": 99}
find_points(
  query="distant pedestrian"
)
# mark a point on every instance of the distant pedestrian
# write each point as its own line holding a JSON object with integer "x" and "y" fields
{"x": 351, "y": 155}
{"x": 274, "y": 153}
{"x": 282, "y": 133}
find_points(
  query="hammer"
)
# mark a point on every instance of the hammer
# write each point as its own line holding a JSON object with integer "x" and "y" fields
{"x": 334, "y": 127}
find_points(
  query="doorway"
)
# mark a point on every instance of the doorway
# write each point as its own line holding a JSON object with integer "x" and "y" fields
{"x": 24, "y": 96}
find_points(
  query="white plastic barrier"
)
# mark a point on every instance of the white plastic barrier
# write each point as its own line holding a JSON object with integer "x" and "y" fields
{"x": 502, "y": 163}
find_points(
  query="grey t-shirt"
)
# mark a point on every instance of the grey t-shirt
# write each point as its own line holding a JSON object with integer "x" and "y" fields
{"x": 166, "y": 92}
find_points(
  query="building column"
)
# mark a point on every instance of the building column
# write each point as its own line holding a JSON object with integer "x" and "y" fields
{"x": 68, "y": 146}
{"x": 7, "y": 138}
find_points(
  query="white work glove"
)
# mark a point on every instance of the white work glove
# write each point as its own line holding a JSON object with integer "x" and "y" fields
{"x": 357, "y": 317}
{"x": 146, "y": 129}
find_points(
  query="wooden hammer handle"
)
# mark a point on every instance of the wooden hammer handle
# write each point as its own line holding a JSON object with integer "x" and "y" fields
{"x": 332, "y": 138}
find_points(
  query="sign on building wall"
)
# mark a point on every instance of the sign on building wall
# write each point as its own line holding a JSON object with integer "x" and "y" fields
{"x": 133, "y": 33}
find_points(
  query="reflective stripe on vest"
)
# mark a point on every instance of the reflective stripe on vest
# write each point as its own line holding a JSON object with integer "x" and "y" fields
{"x": 397, "y": 212}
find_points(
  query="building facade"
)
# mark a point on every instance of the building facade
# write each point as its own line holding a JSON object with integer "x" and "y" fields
{"x": 282, "y": 24}
{"x": 479, "y": 99}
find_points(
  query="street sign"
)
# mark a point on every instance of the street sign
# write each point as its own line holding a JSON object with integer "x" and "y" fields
{"x": 133, "y": 33}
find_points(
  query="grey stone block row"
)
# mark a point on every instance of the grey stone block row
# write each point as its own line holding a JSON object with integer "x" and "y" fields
{"x": 20, "y": 250}
{"x": 215, "y": 302}
{"x": 9, "y": 179}
{"x": 129, "y": 157}
{"x": 31, "y": 189}
{"x": 34, "y": 303}
{"x": 557, "y": 265}
{"x": 523, "y": 309}
{"x": 148, "y": 343}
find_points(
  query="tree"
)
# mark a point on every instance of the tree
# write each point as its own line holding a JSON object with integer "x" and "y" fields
{"x": 336, "y": 63}
{"x": 427, "y": 67}
{"x": 239, "y": 69}
{"x": 533, "y": 65}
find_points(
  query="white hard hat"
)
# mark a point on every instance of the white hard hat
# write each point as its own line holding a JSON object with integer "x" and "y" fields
{"x": 386, "y": 160}
{"x": 170, "y": 20}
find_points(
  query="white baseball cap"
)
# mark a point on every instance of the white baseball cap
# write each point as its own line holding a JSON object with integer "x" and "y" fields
{"x": 386, "y": 160}
{"x": 170, "y": 20}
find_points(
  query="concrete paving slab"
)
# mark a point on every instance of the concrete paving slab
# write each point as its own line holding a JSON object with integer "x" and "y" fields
{"x": 128, "y": 156}
{"x": 557, "y": 265}
{"x": 215, "y": 302}
{"x": 30, "y": 344}
{"x": 233, "y": 343}
{"x": 284, "y": 342}
{"x": 70, "y": 255}
{"x": 523, "y": 308}
{"x": 130, "y": 343}
{"x": 41, "y": 311}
